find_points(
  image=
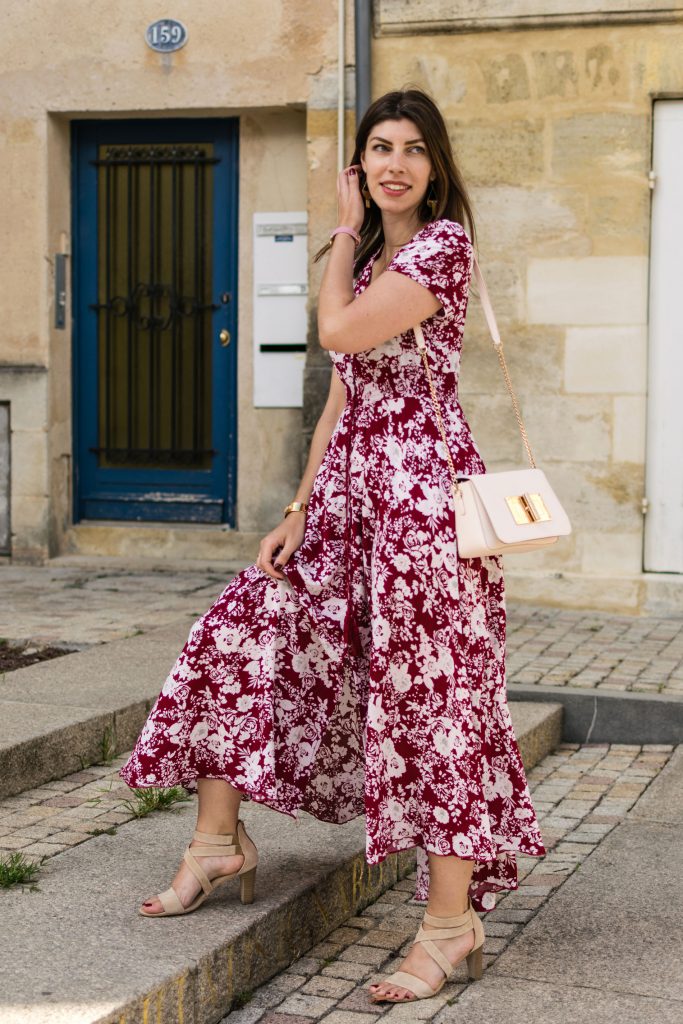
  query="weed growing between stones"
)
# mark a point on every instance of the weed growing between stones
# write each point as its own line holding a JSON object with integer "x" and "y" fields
{"x": 107, "y": 751}
{"x": 241, "y": 999}
{"x": 153, "y": 799}
{"x": 16, "y": 869}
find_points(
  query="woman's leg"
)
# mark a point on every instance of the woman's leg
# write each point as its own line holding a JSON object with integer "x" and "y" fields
{"x": 449, "y": 879}
{"x": 219, "y": 804}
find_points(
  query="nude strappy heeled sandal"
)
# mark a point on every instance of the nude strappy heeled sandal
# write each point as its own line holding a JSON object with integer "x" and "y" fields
{"x": 219, "y": 846}
{"x": 445, "y": 928}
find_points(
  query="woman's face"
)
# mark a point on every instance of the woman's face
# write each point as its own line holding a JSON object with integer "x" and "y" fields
{"x": 397, "y": 165}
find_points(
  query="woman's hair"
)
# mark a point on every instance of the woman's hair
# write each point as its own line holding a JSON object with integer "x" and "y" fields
{"x": 448, "y": 188}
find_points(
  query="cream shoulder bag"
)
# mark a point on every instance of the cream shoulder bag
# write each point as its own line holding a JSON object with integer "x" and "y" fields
{"x": 499, "y": 513}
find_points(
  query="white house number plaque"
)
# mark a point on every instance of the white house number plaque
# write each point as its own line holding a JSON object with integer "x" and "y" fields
{"x": 166, "y": 35}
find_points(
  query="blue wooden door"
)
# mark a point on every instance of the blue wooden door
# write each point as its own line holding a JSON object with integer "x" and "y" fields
{"x": 155, "y": 360}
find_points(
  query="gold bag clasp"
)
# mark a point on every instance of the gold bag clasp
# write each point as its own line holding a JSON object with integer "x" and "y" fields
{"x": 528, "y": 508}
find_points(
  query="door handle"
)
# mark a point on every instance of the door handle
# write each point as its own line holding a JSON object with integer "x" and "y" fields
{"x": 224, "y": 337}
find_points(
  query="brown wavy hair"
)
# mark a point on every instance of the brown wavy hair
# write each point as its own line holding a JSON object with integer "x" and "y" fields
{"x": 452, "y": 200}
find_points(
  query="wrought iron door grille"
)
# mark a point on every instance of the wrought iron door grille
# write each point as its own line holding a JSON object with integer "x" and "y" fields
{"x": 154, "y": 305}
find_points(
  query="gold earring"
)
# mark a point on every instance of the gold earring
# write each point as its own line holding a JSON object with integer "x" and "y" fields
{"x": 365, "y": 192}
{"x": 432, "y": 201}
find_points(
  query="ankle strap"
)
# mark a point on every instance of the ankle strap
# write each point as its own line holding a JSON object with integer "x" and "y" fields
{"x": 450, "y": 922}
{"x": 216, "y": 840}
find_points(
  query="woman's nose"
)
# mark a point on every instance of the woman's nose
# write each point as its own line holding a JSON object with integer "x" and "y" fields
{"x": 396, "y": 164}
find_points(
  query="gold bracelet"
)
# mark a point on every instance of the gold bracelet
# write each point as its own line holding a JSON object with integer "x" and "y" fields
{"x": 296, "y": 506}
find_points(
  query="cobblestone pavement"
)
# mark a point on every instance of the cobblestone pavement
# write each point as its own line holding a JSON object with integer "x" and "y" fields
{"x": 580, "y": 792}
{"x": 79, "y": 607}
{"x": 84, "y": 605}
{"x": 560, "y": 647}
{"x": 45, "y": 821}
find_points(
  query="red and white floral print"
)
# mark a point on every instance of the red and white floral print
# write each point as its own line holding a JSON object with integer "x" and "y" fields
{"x": 372, "y": 679}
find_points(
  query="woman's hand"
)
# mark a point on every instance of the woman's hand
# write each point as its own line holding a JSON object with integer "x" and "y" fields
{"x": 281, "y": 542}
{"x": 350, "y": 204}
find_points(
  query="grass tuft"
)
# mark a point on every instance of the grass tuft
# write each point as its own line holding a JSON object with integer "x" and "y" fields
{"x": 15, "y": 869}
{"x": 154, "y": 799}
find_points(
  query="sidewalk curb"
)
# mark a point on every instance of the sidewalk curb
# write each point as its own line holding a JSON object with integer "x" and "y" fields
{"x": 609, "y": 716}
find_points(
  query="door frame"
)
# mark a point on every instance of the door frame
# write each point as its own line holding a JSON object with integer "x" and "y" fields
{"x": 207, "y": 486}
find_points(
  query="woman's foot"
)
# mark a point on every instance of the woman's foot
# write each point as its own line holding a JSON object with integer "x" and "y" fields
{"x": 422, "y": 965}
{"x": 186, "y": 885}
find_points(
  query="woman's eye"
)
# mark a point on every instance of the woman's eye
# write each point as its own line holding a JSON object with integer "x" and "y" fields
{"x": 379, "y": 145}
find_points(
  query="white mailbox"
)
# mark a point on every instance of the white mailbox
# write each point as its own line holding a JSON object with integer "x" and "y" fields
{"x": 280, "y": 295}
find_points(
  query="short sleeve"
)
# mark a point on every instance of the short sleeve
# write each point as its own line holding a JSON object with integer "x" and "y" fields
{"x": 438, "y": 257}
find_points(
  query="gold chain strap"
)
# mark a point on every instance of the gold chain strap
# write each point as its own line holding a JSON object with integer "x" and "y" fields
{"x": 515, "y": 406}
{"x": 498, "y": 345}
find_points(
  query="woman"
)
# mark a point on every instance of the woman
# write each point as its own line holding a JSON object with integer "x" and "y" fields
{"x": 362, "y": 671}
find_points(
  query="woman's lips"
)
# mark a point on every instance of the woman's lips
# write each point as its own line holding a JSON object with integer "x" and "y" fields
{"x": 395, "y": 191}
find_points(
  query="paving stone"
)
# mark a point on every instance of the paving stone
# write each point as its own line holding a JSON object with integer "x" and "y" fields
{"x": 45, "y": 849}
{"x": 273, "y": 992}
{"x": 346, "y": 1017}
{"x": 362, "y": 923}
{"x": 275, "y": 1017}
{"x": 324, "y": 950}
{"x": 305, "y": 965}
{"x": 395, "y": 896}
{"x": 416, "y": 1009}
{"x": 323, "y": 985}
{"x": 343, "y": 935}
{"x": 306, "y": 1006}
{"x": 31, "y": 832}
{"x": 359, "y": 1001}
{"x": 383, "y": 938}
{"x": 64, "y": 801}
{"x": 13, "y": 842}
{"x": 357, "y": 954}
{"x": 247, "y": 1015}
{"x": 379, "y": 909}
{"x": 345, "y": 969}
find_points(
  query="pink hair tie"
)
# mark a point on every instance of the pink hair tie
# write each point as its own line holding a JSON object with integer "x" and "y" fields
{"x": 346, "y": 231}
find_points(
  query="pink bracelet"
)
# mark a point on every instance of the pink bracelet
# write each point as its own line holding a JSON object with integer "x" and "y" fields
{"x": 346, "y": 231}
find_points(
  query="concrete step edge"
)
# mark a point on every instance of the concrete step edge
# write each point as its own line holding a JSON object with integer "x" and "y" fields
{"x": 609, "y": 716}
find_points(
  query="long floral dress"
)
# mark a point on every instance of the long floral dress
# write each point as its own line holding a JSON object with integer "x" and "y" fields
{"x": 372, "y": 679}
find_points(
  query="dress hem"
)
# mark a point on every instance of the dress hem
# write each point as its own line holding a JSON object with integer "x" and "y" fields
{"x": 258, "y": 796}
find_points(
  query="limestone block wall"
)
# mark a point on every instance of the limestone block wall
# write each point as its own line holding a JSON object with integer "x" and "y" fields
{"x": 553, "y": 132}
{"x": 87, "y": 59}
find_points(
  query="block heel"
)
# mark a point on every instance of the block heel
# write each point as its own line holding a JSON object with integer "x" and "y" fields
{"x": 247, "y": 886}
{"x": 475, "y": 964}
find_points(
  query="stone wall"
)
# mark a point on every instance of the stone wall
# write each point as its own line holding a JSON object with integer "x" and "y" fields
{"x": 408, "y": 17}
{"x": 553, "y": 132}
{"x": 87, "y": 59}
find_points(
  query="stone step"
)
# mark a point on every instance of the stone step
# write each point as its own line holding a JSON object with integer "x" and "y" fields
{"x": 601, "y": 715}
{"x": 76, "y": 951}
{"x": 181, "y": 542}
